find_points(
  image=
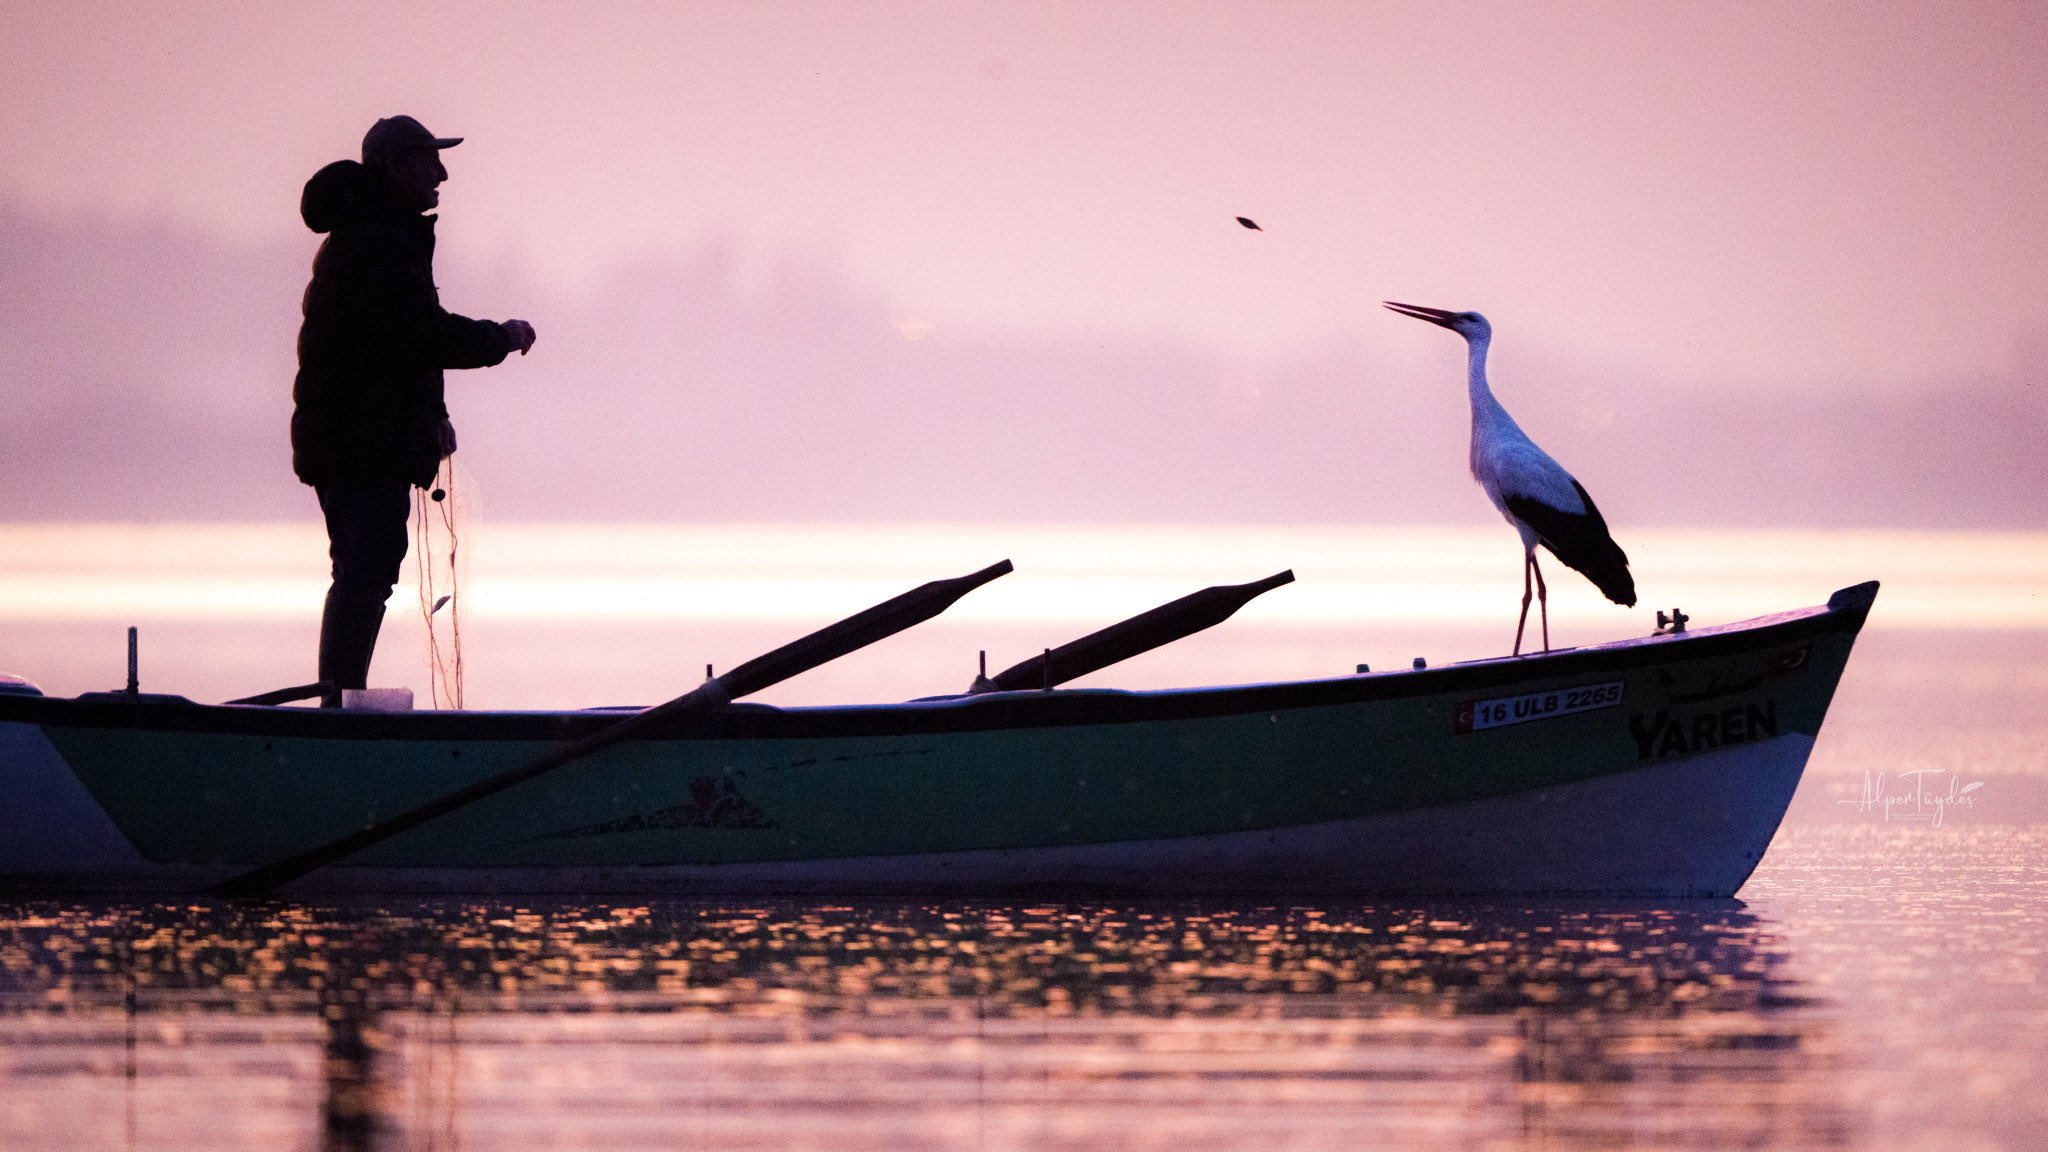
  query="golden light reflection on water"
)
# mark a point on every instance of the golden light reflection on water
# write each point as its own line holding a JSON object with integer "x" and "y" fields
{"x": 1062, "y": 959}
{"x": 854, "y": 1026}
{"x": 1873, "y": 965}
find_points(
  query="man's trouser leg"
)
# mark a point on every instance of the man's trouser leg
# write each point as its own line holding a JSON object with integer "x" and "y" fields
{"x": 366, "y": 541}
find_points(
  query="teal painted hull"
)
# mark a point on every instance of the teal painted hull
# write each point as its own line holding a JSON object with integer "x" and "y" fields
{"x": 1653, "y": 766}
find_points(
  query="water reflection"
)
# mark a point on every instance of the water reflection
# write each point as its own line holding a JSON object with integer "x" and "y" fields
{"x": 797, "y": 1025}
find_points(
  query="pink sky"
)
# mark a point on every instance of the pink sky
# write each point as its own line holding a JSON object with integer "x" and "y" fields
{"x": 1747, "y": 264}
{"x": 1843, "y": 195}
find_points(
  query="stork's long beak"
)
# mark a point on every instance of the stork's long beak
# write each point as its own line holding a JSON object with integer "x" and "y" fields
{"x": 1438, "y": 316}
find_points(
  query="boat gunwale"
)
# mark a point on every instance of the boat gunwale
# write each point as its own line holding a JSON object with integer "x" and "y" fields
{"x": 986, "y": 712}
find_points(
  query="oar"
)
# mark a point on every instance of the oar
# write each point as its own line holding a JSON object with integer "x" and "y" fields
{"x": 284, "y": 695}
{"x": 829, "y": 643}
{"x": 1141, "y": 633}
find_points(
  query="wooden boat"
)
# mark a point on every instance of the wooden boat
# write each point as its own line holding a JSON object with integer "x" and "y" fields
{"x": 1658, "y": 766}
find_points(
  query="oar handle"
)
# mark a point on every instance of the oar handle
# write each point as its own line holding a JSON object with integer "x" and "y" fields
{"x": 285, "y": 695}
{"x": 828, "y": 643}
{"x": 1125, "y": 639}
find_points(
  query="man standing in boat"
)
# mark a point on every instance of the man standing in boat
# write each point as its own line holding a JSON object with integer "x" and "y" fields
{"x": 368, "y": 423}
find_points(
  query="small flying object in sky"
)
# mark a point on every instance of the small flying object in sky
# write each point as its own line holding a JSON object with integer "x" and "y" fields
{"x": 1250, "y": 223}
{"x": 1534, "y": 492}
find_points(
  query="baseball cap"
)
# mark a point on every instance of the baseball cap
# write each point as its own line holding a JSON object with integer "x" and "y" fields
{"x": 397, "y": 135}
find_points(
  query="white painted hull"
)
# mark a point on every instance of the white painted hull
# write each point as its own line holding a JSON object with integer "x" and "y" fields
{"x": 49, "y": 824}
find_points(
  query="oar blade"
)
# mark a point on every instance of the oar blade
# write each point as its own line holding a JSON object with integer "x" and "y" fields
{"x": 1139, "y": 634}
{"x": 855, "y": 632}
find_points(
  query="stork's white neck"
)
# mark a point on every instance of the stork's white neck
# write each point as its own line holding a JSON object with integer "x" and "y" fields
{"x": 1492, "y": 427}
{"x": 1475, "y": 376}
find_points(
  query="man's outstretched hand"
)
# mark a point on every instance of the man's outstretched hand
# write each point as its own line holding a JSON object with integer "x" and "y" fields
{"x": 520, "y": 333}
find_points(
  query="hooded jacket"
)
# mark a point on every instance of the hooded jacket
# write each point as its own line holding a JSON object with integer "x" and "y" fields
{"x": 375, "y": 340}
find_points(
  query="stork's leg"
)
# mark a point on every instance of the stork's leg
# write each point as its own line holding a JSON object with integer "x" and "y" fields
{"x": 1528, "y": 560}
{"x": 1542, "y": 599}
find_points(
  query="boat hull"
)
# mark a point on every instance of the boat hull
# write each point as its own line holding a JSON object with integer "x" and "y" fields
{"x": 1656, "y": 767}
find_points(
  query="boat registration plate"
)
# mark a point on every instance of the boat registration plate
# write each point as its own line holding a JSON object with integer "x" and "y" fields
{"x": 1479, "y": 715}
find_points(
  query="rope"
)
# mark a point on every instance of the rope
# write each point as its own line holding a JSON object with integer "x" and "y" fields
{"x": 444, "y": 669}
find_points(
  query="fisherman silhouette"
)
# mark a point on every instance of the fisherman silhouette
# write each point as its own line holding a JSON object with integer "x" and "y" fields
{"x": 369, "y": 423}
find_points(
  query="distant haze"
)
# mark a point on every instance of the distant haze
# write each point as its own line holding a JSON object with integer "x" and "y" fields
{"x": 1747, "y": 264}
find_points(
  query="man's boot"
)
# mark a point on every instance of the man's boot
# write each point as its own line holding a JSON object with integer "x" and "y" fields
{"x": 348, "y": 638}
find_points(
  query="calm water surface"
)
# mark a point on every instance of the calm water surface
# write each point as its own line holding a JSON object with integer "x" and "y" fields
{"x": 1881, "y": 987}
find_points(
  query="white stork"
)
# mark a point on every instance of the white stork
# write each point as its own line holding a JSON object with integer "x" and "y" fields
{"x": 1536, "y": 495}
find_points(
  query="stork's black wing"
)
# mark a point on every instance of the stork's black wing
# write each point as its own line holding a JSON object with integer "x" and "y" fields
{"x": 1581, "y": 541}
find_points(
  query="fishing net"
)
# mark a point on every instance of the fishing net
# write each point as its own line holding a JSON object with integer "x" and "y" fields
{"x": 442, "y": 513}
